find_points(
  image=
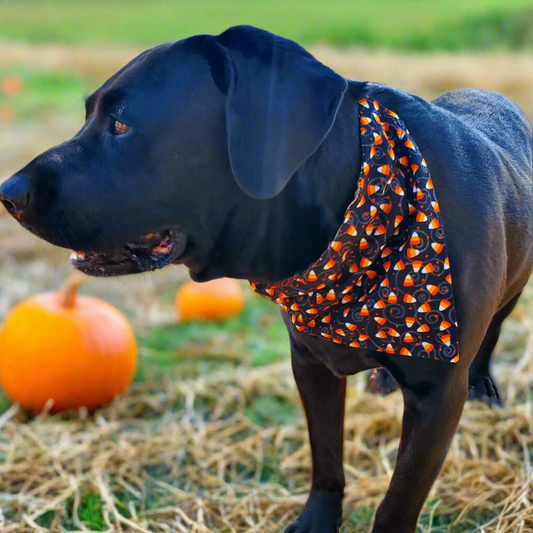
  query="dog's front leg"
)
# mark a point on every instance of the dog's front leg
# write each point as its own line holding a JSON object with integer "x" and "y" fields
{"x": 323, "y": 397}
{"x": 434, "y": 394}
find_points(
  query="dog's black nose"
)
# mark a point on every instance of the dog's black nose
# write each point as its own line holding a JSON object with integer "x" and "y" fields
{"x": 15, "y": 194}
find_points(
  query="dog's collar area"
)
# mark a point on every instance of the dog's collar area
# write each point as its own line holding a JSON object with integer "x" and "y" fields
{"x": 384, "y": 282}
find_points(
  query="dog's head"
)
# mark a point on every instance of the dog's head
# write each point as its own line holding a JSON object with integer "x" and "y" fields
{"x": 172, "y": 143}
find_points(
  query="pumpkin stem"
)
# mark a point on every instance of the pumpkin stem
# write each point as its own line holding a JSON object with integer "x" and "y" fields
{"x": 70, "y": 289}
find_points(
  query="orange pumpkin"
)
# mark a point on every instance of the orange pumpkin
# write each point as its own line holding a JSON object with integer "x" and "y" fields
{"x": 77, "y": 351}
{"x": 12, "y": 85}
{"x": 212, "y": 300}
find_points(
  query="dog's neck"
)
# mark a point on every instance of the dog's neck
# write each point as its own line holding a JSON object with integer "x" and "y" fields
{"x": 271, "y": 240}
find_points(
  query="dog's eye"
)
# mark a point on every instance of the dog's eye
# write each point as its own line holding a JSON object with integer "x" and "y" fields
{"x": 119, "y": 128}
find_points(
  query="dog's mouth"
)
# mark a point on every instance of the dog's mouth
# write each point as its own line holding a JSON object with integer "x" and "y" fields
{"x": 151, "y": 252}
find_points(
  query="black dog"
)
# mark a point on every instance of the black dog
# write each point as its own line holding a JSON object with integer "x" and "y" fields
{"x": 237, "y": 156}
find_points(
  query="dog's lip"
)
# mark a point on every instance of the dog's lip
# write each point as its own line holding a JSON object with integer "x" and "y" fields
{"x": 150, "y": 252}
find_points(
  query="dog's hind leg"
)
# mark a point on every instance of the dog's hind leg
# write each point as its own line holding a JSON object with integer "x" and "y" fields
{"x": 381, "y": 382}
{"x": 482, "y": 384}
{"x": 323, "y": 397}
{"x": 434, "y": 395}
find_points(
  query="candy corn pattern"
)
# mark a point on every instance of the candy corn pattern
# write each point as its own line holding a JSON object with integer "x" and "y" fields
{"x": 384, "y": 282}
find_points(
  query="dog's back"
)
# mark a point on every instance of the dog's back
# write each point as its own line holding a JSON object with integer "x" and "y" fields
{"x": 494, "y": 116}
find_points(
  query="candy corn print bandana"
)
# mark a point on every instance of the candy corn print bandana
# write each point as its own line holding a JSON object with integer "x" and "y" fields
{"x": 384, "y": 282}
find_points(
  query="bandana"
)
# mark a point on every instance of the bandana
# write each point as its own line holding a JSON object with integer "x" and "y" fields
{"x": 384, "y": 282}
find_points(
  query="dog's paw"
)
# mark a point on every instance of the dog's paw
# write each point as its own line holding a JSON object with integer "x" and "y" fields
{"x": 322, "y": 514}
{"x": 312, "y": 526}
{"x": 484, "y": 389}
{"x": 381, "y": 382}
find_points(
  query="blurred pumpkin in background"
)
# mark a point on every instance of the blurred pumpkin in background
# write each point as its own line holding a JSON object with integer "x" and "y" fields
{"x": 12, "y": 85}
{"x": 76, "y": 351}
{"x": 213, "y": 300}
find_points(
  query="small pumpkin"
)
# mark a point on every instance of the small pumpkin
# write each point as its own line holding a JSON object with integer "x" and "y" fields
{"x": 12, "y": 85}
{"x": 213, "y": 300}
{"x": 75, "y": 350}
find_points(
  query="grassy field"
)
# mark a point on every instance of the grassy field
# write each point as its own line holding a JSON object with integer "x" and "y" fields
{"x": 409, "y": 24}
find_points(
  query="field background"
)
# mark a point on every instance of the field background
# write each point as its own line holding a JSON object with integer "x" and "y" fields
{"x": 211, "y": 437}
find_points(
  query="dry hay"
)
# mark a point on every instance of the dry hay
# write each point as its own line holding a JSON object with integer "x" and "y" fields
{"x": 184, "y": 457}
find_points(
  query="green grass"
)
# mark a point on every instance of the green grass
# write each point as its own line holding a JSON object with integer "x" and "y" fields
{"x": 254, "y": 338}
{"x": 47, "y": 93}
{"x": 268, "y": 411}
{"x": 5, "y": 403}
{"x": 409, "y": 24}
{"x": 91, "y": 513}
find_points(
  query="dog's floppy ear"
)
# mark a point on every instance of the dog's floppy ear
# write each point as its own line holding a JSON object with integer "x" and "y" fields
{"x": 281, "y": 103}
